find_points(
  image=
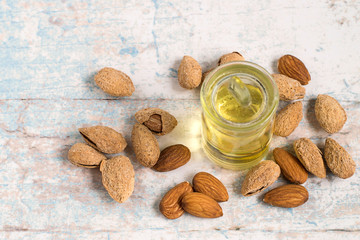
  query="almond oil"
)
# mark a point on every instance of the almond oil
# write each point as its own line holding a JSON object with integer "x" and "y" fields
{"x": 237, "y": 135}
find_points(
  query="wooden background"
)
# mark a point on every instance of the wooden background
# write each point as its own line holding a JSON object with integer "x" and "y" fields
{"x": 49, "y": 53}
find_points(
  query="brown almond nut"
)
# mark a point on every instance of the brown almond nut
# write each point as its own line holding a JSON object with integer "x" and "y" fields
{"x": 260, "y": 177}
{"x": 160, "y": 122}
{"x": 83, "y": 155}
{"x": 287, "y": 196}
{"x": 104, "y": 139}
{"x": 329, "y": 113}
{"x": 292, "y": 67}
{"x": 201, "y": 205}
{"x": 287, "y": 120}
{"x": 290, "y": 166}
{"x": 145, "y": 145}
{"x": 189, "y": 73}
{"x": 209, "y": 185}
{"x": 310, "y": 157}
{"x": 154, "y": 123}
{"x": 118, "y": 177}
{"x": 338, "y": 159}
{"x": 172, "y": 158}
{"x": 114, "y": 82}
{"x": 230, "y": 57}
{"x": 289, "y": 89}
{"x": 170, "y": 205}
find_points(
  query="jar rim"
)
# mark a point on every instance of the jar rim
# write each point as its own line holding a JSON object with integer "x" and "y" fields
{"x": 270, "y": 105}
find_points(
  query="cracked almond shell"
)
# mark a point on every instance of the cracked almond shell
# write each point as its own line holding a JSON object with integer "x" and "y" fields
{"x": 310, "y": 156}
{"x": 260, "y": 177}
{"x": 159, "y": 121}
{"x": 145, "y": 145}
{"x": 289, "y": 89}
{"x": 287, "y": 120}
{"x": 118, "y": 177}
{"x": 329, "y": 113}
{"x": 338, "y": 159}
{"x": 104, "y": 139}
{"x": 230, "y": 57}
{"x": 189, "y": 73}
{"x": 170, "y": 205}
{"x": 83, "y": 155}
{"x": 114, "y": 82}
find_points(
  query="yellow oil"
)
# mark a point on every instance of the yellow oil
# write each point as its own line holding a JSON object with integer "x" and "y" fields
{"x": 230, "y": 109}
{"x": 242, "y": 149}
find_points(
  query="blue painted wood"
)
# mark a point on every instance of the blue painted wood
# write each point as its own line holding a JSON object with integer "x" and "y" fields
{"x": 49, "y": 52}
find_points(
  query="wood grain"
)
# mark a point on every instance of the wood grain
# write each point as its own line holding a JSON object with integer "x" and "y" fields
{"x": 42, "y": 191}
{"x": 50, "y": 51}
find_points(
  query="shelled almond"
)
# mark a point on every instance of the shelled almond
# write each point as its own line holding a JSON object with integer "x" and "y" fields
{"x": 200, "y": 203}
{"x": 170, "y": 205}
{"x": 287, "y": 196}
{"x": 290, "y": 166}
{"x": 172, "y": 158}
{"x": 294, "y": 68}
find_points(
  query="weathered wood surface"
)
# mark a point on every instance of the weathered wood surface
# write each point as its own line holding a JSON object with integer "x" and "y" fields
{"x": 49, "y": 52}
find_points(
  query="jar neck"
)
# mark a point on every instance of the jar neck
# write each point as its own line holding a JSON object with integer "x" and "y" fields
{"x": 253, "y": 74}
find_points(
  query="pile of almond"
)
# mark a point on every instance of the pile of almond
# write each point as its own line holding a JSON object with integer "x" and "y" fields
{"x": 118, "y": 175}
{"x": 331, "y": 117}
{"x": 201, "y": 200}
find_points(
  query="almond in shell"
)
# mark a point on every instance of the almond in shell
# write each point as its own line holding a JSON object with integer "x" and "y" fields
{"x": 209, "y": 185}
{"x": 189, "y": 73}
{"x": 103, "y": 139}
{"x": 201, "y": 205}
{"x": 160, "y": 122}
{"x": 172, "y": 158}
{"x": 145, "y": 145}
{"x": 287, "y": 196}
{"x": 287, "y": 120}
{"x": 338, "y": 159}
{"x": 83, "y": 155}
{"x": 289, "y": 89}
{"x": 329, "y": 113}
{"x": 310, "y": 156}
{"x": 290, "y": 166}
{"x": 294, "y": 68}
{"x": 204, "y": 75}
{"x": 118, "y": 177}
{"x": 260, "y": 177}
{"x": 114, "y": 82}
{"x": 170, "y": 205}
{"x": 230, "y": 57}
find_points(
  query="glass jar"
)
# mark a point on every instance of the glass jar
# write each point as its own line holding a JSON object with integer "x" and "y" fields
{"x": 233, "y": 138}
